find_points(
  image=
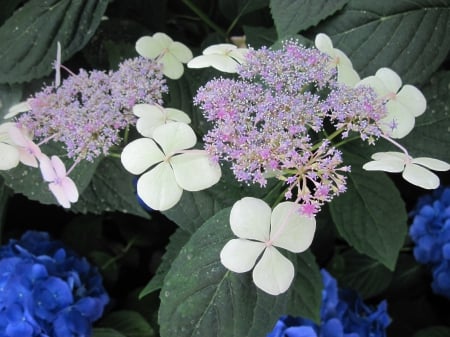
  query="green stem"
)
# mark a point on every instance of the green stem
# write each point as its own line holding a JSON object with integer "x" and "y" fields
{"x": 119, "y": 256}
{"x": 205, "y": 18}
{"x": 345, "y": 141}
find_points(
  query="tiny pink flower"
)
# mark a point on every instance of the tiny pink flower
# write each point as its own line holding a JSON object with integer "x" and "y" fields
{"x": 62, "y": 187}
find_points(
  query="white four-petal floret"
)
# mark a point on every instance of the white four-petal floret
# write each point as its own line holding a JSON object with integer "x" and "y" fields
{"x": 414, "y": 170}
{"x": 169, "y": 167}
{"x": 261, "y": 231}
{"x": 171, "y": 54}
{"x": 224, "y": 57}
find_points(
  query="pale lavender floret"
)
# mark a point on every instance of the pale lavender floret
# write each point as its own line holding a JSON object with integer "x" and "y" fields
{"x": 89, "y": 109}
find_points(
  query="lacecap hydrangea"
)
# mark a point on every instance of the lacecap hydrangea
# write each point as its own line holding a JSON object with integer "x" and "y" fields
{"x": 430, "y": 231}
{"x": 46, "y": 290}
{"x": 343, "y": 314}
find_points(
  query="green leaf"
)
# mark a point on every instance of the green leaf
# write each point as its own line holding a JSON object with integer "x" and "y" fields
{"x": 9, "y": 95}
{"x": 111, "y": 189}
{"x": 371, "y": 214}
{"x": 257, "y": 37}
{"x": 233, "y": 9}
{"x": 5, "y": 193}
{"x": 177, "y": 241}
{"x": 434, "y": 331}
{"x": 430, "y": 136}
{"x": 291, "y": 17}
{"x": 202, "y": 298}
{"x": 361, "y": 273}
{"x": 129, "y": 323}
{"x": 28, "y": 180}
{"x": 28, "y": 38}
{"x": 411, "y": 37}
{"x": 195, "y": 208}
{"x": 106, "y": 332}
{"x": 7, "y": 7}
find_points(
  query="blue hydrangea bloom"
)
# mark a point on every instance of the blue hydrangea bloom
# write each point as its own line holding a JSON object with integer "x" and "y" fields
{"x": 342, "y": 314}
{"x": 46, "y": 290}
{"x": 430, "y": 231}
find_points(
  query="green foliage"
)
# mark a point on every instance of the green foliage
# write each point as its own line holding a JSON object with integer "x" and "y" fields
{"x": 201, "y": 297}
{"x": 291, "y": 17}
{"x": 28, "y": 38}
{"x": 412, "y": 38}
{"x": 434, "y": 331}
{"x": 370, "y": 215}
{"x": 129, "y": 323}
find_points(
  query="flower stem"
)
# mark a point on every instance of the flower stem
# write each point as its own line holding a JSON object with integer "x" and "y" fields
{"x": 401, "y": 147}
{"x": 205, "y": 18}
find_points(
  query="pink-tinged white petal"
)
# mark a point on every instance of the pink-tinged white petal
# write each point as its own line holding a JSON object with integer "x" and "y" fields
{"x": 140, "y": 155}
{"x": 398, "y": 121}
{"x": 172, "y": 67}
{"x": 47, "y": 170}
{"x": 148, "y": 47}
{"x": 297, "y": 230}
{"x": 163, "y": 40}
{"x": 413, "y": 100}
{"x": 431, "y": 163}
{"x": 420, "y": 176}
{"x": 58, "y": 166}
{"x": 384, "y": 161}
{"x": 250, "y": 219}
{"x": 18, "y": 136}
{"x": 390, "y": 79}
{"x": 17, "y": 109}
{"x": 376, "y": 84}
{"x": 222, "y": 63}
{"x": 195, "y": 171}
{"x": 221, "y": 48}
{"x": 151, "y": 116}
{"x": 324, "y": 44}
{"x": 239, "y": 54}
{"x": 60, "y": 195}
{"x": 273, "y": 273}
{"x": 70, "y": 189}
{"x": 181, "y": 52}
{"x": 173, "y": 137}
{"x": 9, "y": 156}
{"x": 158, "y": 188}
{"x": 240, "y": 255}
{"x": 347, "y": 75}
{"x": 176, "y": 115}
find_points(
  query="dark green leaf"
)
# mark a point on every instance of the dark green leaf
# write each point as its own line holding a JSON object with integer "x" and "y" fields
{"x": 5, "y": 193}
{"x": 28, "y": 38}
{"x": 7, "y": 7}
{"x": 361, "y": 273}
{"x": 106, "y": 332}
{"x": 177, "y": 240}
{"x": 237, "y": 8}
{"x": 431, "y": 135}
{"x": 202, "y": 298}
{"x": 434, "y": 331}
{"x": 195, "y": 208}
{"x": 370, "y": 215}
{"x": 257, "y": 37}
{"x": 411, "y": 37}
{"x": 291, "y": 17}
{"x": 129, "y": 323}
{"x": 107, "y": 266}
{"x": 111, "y": 189}
{"x": 9, "y": 95}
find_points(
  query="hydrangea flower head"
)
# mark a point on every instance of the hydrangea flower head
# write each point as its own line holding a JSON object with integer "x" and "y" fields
{"x": 173, "y": 168}
{"x": 403, "y": 104}
{"x": 261, "y": 231}
{"x": 170, "y": 53}
{"x": 224, "y": 57}
{"x": 88, "y": 110}
{"x": 46, "y": 290}
{"x": 343, "y": 314}
{"x": 430, "y": 231}
{"x": 414, "y": 170}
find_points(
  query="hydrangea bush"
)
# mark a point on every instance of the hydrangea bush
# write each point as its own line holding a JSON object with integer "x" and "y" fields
{"x": 225, "y": 152}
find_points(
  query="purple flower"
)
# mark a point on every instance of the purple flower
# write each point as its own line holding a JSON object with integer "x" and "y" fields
{"x": 46, "y": 290}
{"x": 342, "y": 314}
